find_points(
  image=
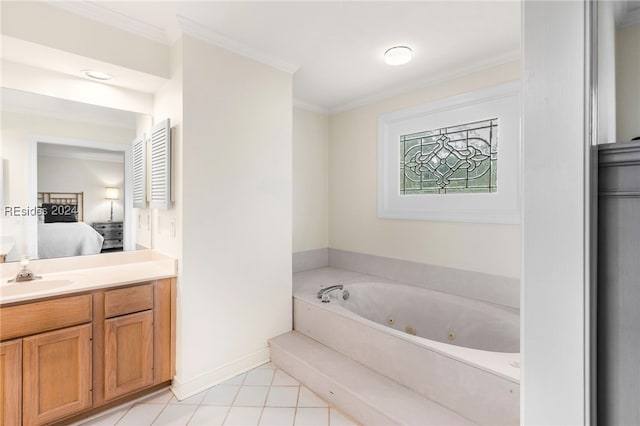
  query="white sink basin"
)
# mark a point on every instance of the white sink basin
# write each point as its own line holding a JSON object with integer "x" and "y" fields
{"x": 35, "y": 286}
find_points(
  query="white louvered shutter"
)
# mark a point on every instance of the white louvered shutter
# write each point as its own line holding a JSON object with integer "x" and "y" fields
{"x": 160, "y": 187}
{"x": 140, "y": 172}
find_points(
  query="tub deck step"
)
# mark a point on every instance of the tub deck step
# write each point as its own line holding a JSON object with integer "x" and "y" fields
{"x": 357, "y": 390}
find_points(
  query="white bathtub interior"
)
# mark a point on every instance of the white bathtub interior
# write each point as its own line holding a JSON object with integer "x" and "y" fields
{"x": 434, "y": 315}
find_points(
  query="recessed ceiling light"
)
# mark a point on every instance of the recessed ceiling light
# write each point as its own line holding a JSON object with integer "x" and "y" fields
{"x": 97, "y": 75}
{"x": 397, "y": 55}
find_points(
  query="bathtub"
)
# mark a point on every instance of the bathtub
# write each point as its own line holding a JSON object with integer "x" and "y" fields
{"x": 459, "y": 352}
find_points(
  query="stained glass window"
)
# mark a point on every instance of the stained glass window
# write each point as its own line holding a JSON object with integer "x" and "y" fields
{"x": 457, "y": 159}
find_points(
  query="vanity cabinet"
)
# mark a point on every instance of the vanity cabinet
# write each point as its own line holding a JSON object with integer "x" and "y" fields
{"x": 128, "y": 340}
{"x": 54, "y": 362}
{"x": 10, "y": 382}
{"x": 65, "y": 357}
{"x": 56, "y": 374}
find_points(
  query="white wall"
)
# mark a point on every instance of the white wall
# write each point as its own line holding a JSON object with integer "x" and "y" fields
{"x": 235, "y": 283}
{"x": 166, "y": 225}
{"x": 628, "y": 82}
{"x": 353, "y": 222}
{"x": 310, "y": 180}
{"x": 606, "y": 72}
{"x": 554, "y": 281}
{"x": 57, "y": 174}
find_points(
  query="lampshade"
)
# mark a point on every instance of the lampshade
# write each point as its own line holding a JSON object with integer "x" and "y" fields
{"x": 111, "y": 193}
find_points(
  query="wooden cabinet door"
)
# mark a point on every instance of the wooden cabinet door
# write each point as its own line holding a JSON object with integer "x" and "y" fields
{"x": 10, "y": 383}
{"x": 128, "y": 358}
{"x": 57, "y": 374}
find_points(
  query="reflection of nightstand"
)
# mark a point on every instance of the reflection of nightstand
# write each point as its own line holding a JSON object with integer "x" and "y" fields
{"x": 112, "y": 233}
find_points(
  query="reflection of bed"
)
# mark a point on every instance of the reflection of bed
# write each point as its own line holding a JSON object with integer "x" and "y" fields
{"x": 66, "y": 235}
{"x": 75, "y": 199}
{"x": 64, "y": 239}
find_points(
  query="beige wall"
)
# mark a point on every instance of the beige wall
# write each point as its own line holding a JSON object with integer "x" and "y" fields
{"x": 628, "y": 82}
{"x": 353, "y": 222}
{"x": 311, "y": 180}
{"x": 235, "y": 282}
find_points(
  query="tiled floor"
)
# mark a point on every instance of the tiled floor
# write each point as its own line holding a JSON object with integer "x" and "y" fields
{"x": 263, "y": 396}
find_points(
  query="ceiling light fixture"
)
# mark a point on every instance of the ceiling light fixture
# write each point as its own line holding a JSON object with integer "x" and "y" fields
{"x": 97, "y": 75}
{"x": 398, "y": 55}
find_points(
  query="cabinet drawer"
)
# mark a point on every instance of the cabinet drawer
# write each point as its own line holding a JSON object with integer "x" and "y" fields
{"x": 108, "y": 226}
{"x": 37, "y": 317}
{"x": 112, "y": 235}
{"x": 128, "y": 300}
{"x": 108, "y": 244}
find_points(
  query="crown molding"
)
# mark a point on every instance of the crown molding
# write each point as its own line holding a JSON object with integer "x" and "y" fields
{"x": 107, "y": 16}
{"x": 86, "y": 156}
{"x": 497, "y": 60}
{"x": 307, "y": 106}
{"x": 205, "y": 34}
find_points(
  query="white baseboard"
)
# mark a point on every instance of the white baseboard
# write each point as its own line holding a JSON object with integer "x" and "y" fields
{"x": 183, "y": 390}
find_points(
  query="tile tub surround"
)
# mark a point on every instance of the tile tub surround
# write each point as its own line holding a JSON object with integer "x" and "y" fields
{"x": 310, "y": 259}
{"x": 476, "y": 285}
{"x": 484, "y": 388}
{"x": 262, "y": 396}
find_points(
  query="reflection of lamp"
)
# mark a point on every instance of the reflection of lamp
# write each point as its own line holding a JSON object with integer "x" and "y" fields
{"x": 111, "y": 194}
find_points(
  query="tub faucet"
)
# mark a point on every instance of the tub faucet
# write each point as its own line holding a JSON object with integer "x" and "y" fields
{"x": 324, "y": 292}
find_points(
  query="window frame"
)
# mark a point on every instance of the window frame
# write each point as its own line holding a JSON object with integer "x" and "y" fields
{"x": 502, "y": 206}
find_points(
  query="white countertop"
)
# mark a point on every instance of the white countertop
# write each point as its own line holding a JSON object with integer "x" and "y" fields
{"x": 66, "y": 276}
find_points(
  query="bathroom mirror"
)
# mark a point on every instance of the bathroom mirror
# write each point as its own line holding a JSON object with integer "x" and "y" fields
{"x": 67, "y": 178}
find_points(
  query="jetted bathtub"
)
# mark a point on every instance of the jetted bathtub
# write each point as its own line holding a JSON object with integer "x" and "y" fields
{"x": 459, "y": 352}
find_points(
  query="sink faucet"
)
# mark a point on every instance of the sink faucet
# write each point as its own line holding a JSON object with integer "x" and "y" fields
{"x": 324, "y": 292}
{"x": 25, "y": 273}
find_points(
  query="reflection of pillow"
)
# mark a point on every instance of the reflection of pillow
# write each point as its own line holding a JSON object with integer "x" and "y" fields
{"x": 60, "y": 213}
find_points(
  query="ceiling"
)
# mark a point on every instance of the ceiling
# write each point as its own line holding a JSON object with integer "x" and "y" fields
{"x": 337, "y": 48}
